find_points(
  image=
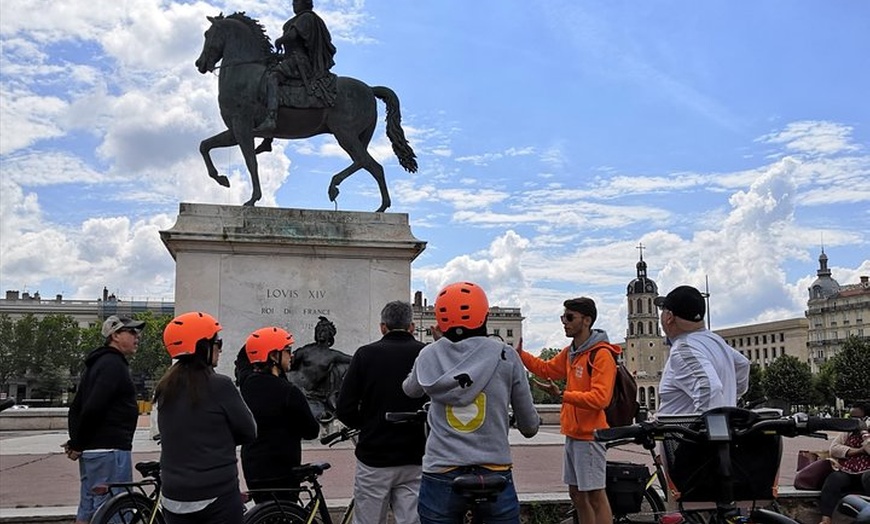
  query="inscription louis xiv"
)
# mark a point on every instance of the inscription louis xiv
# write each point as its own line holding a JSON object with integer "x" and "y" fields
{"x": 283, "y": 294}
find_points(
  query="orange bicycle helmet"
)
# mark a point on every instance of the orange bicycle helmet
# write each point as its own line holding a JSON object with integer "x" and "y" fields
{"x": 265, "y": 340}
{"x": 184, "y": 331}
{"x": 461, "y": 304}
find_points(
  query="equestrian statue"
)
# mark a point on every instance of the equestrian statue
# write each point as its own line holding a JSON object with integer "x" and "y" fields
{"x": 293, "y": 94}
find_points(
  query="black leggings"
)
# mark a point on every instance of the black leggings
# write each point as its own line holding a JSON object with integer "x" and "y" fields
{"x": 839, "y": 484}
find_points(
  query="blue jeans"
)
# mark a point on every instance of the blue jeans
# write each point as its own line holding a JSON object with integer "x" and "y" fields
{"x": 438, "y": 504}
{"x": 101, "y": 467}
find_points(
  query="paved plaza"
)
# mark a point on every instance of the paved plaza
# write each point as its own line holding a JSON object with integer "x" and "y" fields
{"x": 36, "y": 478}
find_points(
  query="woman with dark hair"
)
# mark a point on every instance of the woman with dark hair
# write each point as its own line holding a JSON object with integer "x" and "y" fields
{"x": 202, "y": 418}
{"x": 281, "y": 411}
{"x": 851, "y": 452}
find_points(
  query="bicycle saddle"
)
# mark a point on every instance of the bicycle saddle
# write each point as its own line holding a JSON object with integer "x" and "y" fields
{"x": 149, "y": 469}
{"x": 472, "y": 484}
{"x": 310, "y": 470}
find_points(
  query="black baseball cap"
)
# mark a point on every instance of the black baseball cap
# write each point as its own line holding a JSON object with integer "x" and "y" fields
{"x": 583, "y": 305}
{"x": 685, "y": 302}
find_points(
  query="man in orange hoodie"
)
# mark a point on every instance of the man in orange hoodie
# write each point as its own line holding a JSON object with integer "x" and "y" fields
{"x": 585, "y": 397}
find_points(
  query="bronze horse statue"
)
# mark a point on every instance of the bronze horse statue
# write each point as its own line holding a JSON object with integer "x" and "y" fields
{"x": 245, "y": 53}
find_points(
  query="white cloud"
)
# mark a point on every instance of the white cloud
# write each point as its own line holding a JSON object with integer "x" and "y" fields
{"x": 814, "y": 137}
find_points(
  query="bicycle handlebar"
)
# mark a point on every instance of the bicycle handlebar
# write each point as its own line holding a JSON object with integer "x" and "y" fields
{"x": 339, "y": 436}
{"x": 7, "y": 403}
{"x": 787, "y": 426}
{"x": 406, "y": 416}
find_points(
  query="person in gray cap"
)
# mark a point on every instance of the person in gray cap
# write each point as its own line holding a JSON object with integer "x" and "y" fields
{"x": 102, "y": 418}
{"x": 702, "y": 371}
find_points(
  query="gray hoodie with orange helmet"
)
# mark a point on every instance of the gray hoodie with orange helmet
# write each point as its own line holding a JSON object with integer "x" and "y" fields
{"x": 473, "y": 384}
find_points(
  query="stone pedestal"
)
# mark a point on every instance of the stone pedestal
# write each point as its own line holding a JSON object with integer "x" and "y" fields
{"x": 253, "y": 267}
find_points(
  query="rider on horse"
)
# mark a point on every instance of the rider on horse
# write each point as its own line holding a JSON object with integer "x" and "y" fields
{"x": 306, "y": 63}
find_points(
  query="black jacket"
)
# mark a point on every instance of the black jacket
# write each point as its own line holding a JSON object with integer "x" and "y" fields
{"x": 283, "y": 420}
{"x": 104, "y": 412}
{"x": 372, "y": 387}
{"x": 198, "y": 457}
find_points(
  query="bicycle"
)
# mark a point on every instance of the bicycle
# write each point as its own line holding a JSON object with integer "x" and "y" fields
{"x": 633, "y": 493}
{"x": 137, "y": 502}
{"x": 703, "y": 469}
{"x": 478, "y": 489}
{"x": 315, "y": 509}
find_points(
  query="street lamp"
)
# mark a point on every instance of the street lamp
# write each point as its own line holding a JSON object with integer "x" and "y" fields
{"x": 706, "y": 295}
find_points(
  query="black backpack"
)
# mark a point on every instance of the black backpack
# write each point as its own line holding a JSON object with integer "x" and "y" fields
{"x": 623, "y": 406}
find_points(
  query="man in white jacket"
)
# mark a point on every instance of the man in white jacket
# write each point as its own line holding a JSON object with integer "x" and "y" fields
{"x": 702, "y": 371}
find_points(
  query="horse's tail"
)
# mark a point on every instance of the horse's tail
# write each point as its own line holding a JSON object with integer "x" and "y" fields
{"x": 406, "y": 156}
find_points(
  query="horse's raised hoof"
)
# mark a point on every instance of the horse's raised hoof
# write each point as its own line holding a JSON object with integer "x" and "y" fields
{"x": 264, "y": 147}
{"x": 222, "y": 180}
{"x": 333, "y": 193}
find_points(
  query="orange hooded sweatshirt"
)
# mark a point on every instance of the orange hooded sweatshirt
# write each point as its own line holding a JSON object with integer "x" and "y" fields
{"x": 585, "y": 397}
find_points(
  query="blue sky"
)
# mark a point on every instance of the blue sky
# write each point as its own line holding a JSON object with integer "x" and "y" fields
{"x": 730, "y": 139}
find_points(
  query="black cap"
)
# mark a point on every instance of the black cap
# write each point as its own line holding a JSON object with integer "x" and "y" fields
{"x": 685, "y": 302}
{"x": 583, "y": 305}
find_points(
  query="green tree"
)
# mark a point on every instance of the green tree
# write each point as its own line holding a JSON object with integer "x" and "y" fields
{"x": 57, "y": 347}
{"x": 787, "y": 378}
{"x": 151, "y": 359}
{"x": 539, "y": 395}
{"x": 851, "y": 365}
{"x": 756, "y": 384}
{"x": 11, "y": 363}
{"x": 823, "y": 392}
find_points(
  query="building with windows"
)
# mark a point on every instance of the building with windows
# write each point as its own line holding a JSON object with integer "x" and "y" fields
{"x": 834, "y": 313}
{"x": 644, "y": 351}
{"x": 86, "y": 312}
{"x": 763, "y": 343}
{"x": 504, "y": 322}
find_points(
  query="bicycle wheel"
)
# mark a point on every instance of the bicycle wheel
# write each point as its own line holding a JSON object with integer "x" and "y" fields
{"x": 652, "y": 507}
{"x": 128, "y": 508}
{"x": 272, "y": 512}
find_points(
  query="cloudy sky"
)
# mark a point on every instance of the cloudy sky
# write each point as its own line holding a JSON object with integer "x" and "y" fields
{"x": 553, "y": 137}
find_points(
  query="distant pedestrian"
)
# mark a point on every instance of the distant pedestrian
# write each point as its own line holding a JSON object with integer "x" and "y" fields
{"x": 389, "y": 455}
{"x": 588, "y": 365}
{"x": 202, "y": 419}
{"x": 103, "y": 415}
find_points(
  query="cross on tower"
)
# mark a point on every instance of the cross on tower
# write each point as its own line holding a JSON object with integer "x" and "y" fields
{"x": 640, "y": 247}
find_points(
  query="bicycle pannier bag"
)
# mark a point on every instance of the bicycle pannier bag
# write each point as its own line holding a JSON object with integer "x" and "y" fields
{"x": 626, "y": 483}
{"x": 623, "y": 406}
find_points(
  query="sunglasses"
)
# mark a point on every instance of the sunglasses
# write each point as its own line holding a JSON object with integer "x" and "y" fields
{"x": 129, "y": 330}
{"x": 569, "y": 317}
{"x": 218, "y": 343}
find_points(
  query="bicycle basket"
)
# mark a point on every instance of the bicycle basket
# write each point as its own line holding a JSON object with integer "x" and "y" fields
{"x": 693, "y": 468}
{"x": 626, "y": 483}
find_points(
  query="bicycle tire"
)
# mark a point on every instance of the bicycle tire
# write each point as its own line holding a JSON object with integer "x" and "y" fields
{"x": 272, "y": 512}
{"x": 652, "y": 507}
{"x": 766, "y": 516}
{"x": 127, "y": 508}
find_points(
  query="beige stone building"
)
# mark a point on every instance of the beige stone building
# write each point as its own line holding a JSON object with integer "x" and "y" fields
{"x": 835, "y": 313}
{"x": 85, "y": 312}
{"x": 505, "y": 322}
{"x": 765, "y": 342}
{"x": 644, "y": 350}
